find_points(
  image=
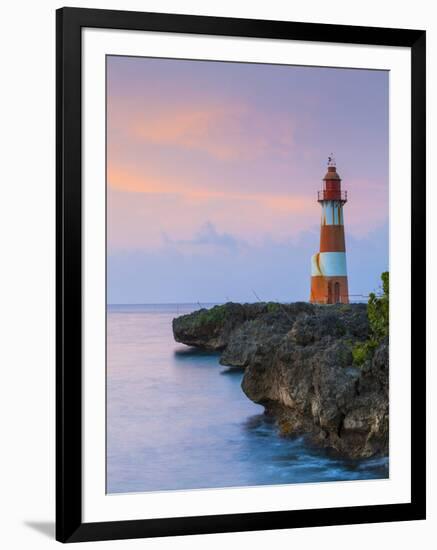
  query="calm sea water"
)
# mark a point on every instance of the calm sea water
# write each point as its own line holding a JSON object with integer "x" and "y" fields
{"x": 176, "y": 419}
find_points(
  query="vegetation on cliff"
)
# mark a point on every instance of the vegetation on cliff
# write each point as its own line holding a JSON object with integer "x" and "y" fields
{"x": 378, "y": 313}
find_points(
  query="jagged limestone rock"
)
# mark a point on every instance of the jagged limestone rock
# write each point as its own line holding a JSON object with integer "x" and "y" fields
{"x": 298, "y": 364}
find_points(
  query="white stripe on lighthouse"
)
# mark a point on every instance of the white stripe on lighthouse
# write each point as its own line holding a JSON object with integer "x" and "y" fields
{"x": 328, "y": 264}
{"x": 332, "y": 213}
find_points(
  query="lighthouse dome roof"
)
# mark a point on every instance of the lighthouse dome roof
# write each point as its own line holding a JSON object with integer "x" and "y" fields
{"x": 331, "y": 174}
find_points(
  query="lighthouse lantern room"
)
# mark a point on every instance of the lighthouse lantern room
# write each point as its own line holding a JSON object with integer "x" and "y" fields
{"x": 329, "y": 284}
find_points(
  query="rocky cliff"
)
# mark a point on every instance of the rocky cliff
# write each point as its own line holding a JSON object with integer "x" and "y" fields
{"x": 299, "y": 365}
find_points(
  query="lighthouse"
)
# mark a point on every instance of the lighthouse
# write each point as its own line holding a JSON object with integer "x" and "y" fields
{"x": 328, "y": 267}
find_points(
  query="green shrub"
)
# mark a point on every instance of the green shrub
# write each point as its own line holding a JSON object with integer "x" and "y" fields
{"x": 215, "y": 315}
{"x": 273, "y": 307}
{"x": 377, "y": 310}
{"x": 362, "y": 351}
{"x": 378, "y": 314}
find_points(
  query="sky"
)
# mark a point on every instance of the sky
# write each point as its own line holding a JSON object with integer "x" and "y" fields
{"x": 213, "y": 170}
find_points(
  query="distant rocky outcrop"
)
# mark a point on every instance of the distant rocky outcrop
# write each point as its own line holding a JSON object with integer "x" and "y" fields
{"x": 299, "y": 364}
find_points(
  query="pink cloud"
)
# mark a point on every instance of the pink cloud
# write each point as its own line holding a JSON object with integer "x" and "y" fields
{"x": 142, "y": 206}
{"x": 123, "y": 180}
{"x": 223, "y": 131}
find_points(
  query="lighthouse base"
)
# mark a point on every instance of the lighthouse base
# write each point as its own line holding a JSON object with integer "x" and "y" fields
{"x": 329, "y": 290}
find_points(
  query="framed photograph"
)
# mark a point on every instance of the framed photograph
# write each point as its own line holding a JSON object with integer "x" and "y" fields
{"x": 240, "y": 274}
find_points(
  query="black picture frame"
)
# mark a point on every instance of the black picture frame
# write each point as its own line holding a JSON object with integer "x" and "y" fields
{"x": 69, "y": 525}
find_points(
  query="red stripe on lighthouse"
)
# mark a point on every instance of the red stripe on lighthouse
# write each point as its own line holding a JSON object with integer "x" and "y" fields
{"x": 332, "y": 238}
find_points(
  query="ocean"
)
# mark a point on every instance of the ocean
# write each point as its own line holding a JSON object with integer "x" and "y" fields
{"x": 177, "y": 419}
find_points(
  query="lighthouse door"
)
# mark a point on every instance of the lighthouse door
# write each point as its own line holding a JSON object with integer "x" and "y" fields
{"x": 329, "y": 292}
{"x": 336, "y": 293}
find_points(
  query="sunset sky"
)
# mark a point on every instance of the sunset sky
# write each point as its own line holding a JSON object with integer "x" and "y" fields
{"x": 213, "y": 172}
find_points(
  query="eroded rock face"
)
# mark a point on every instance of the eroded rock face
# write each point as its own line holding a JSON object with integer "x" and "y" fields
{"x": 298, "y": 364}
{"x": 210, "y": 329}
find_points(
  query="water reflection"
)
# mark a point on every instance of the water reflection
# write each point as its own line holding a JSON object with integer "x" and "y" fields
{"x": 232, "y": 371}
{"x": 190, "y": 352}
